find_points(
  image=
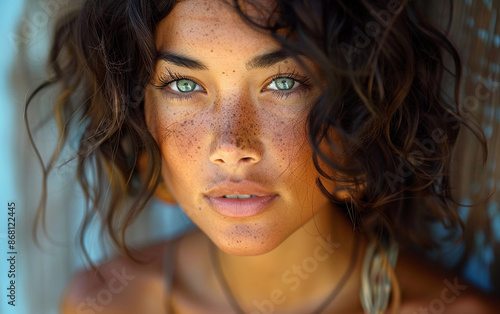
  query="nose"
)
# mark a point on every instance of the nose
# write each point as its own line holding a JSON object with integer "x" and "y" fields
{"x": 236, "y": 142}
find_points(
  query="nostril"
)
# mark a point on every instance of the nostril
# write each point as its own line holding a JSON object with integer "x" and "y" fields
{"x": 230, "y": 150}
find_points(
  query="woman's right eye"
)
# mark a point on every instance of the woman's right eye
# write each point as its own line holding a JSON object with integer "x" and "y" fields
{"x": 184, "y": 86}
{"x": 282, "y": 83}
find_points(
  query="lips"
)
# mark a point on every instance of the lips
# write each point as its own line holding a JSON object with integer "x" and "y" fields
{"x": 241, "y": 199}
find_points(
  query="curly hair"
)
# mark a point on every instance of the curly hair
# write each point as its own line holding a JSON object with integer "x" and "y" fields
{"x": 386, "y": 99}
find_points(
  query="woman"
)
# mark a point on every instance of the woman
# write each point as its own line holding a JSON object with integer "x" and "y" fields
{"x": 309, "y": 141}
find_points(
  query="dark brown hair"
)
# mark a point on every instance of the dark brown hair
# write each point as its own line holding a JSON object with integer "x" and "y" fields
{"x": 383, "y": 68}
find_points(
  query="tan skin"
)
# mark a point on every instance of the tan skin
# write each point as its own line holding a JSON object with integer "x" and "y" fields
{"x": 234, "y": 124}
{"x": 196, "y": 289}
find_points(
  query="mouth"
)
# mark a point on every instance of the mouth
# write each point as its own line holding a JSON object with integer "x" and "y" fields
{"x": 240, "y": 206}
{"x": 239, "y": 200}
{"x": 241, "y": 197}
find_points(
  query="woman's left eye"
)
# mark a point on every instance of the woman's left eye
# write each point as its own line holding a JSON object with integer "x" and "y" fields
{"x": 282, "y": 83}
{"x": 184, "y": 86}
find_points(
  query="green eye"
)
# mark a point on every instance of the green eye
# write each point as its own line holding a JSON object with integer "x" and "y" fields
{"x": 185, "y": 86}
{"x": 282, "y": 83}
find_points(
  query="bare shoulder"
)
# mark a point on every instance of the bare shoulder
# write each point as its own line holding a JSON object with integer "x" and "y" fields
{"x": 427, "y": 288}
{"x": 123, "y": 287}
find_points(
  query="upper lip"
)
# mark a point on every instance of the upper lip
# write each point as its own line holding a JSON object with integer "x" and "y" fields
{"x": 239, "y": 188}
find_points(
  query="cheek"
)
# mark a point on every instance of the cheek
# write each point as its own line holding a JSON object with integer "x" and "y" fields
{"x": 291, "y": 146}
{"x": 185, "y": 141}
{"x": 173, "y": 130}
{"x": 179, "y": 139}
{"x": 182, "y": 142}
{"x": 181, "y": 148}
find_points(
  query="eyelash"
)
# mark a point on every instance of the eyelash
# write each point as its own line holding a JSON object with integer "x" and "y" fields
{"x": 304, "y": 86}
{"x": 167, "y": 79}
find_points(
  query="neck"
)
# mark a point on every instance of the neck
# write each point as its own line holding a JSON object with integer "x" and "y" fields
{"x": 303, "y": 271}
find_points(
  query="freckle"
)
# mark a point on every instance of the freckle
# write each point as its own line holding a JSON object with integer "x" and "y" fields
{"x": 199, "y": 208}
{"x": 262, "y": 242}
{"x": 199, "y": 147}
{"x": 234, "y": 71}
{"x": 223, "y": 72}
{"x": 211, "y": 50}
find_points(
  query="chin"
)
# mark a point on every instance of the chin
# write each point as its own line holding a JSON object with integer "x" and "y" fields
{"x": 243, "y": 247}
{"x": 243, "y": 240}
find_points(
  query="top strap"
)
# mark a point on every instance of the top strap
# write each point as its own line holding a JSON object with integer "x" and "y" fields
{"x": 168, "y": 271}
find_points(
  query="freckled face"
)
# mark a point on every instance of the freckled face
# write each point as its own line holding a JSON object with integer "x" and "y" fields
{"x": 228, "y": 111}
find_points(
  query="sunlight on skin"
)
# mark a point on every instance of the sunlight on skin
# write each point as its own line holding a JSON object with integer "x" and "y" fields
{"x": 221, "y": 112}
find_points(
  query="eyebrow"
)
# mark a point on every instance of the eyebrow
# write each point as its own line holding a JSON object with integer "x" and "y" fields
{"x": 267, "y": 60}
{"x": 181, "y": 61}
{"x": 262, "y": 61}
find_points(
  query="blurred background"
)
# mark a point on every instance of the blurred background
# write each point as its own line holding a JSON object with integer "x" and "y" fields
{"x": 43, "y": 271}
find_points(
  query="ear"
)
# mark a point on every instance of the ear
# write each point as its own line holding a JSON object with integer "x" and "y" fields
{"x": 338, "y": 185}
{"x": 348, "y": 190}
{"x": 162, "y": 192}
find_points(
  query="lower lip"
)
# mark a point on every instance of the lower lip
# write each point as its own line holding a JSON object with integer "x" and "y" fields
{"x": 239, "y": 208}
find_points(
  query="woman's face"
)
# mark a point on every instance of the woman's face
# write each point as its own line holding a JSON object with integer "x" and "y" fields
{"x": 228, "y": 112}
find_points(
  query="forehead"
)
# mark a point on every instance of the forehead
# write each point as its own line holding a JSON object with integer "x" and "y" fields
{"x": 209, "y": 25}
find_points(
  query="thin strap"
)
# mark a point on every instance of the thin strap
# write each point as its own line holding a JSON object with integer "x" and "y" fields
{"x": 236, "y": 307}
{"x": 168, "y": 271}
